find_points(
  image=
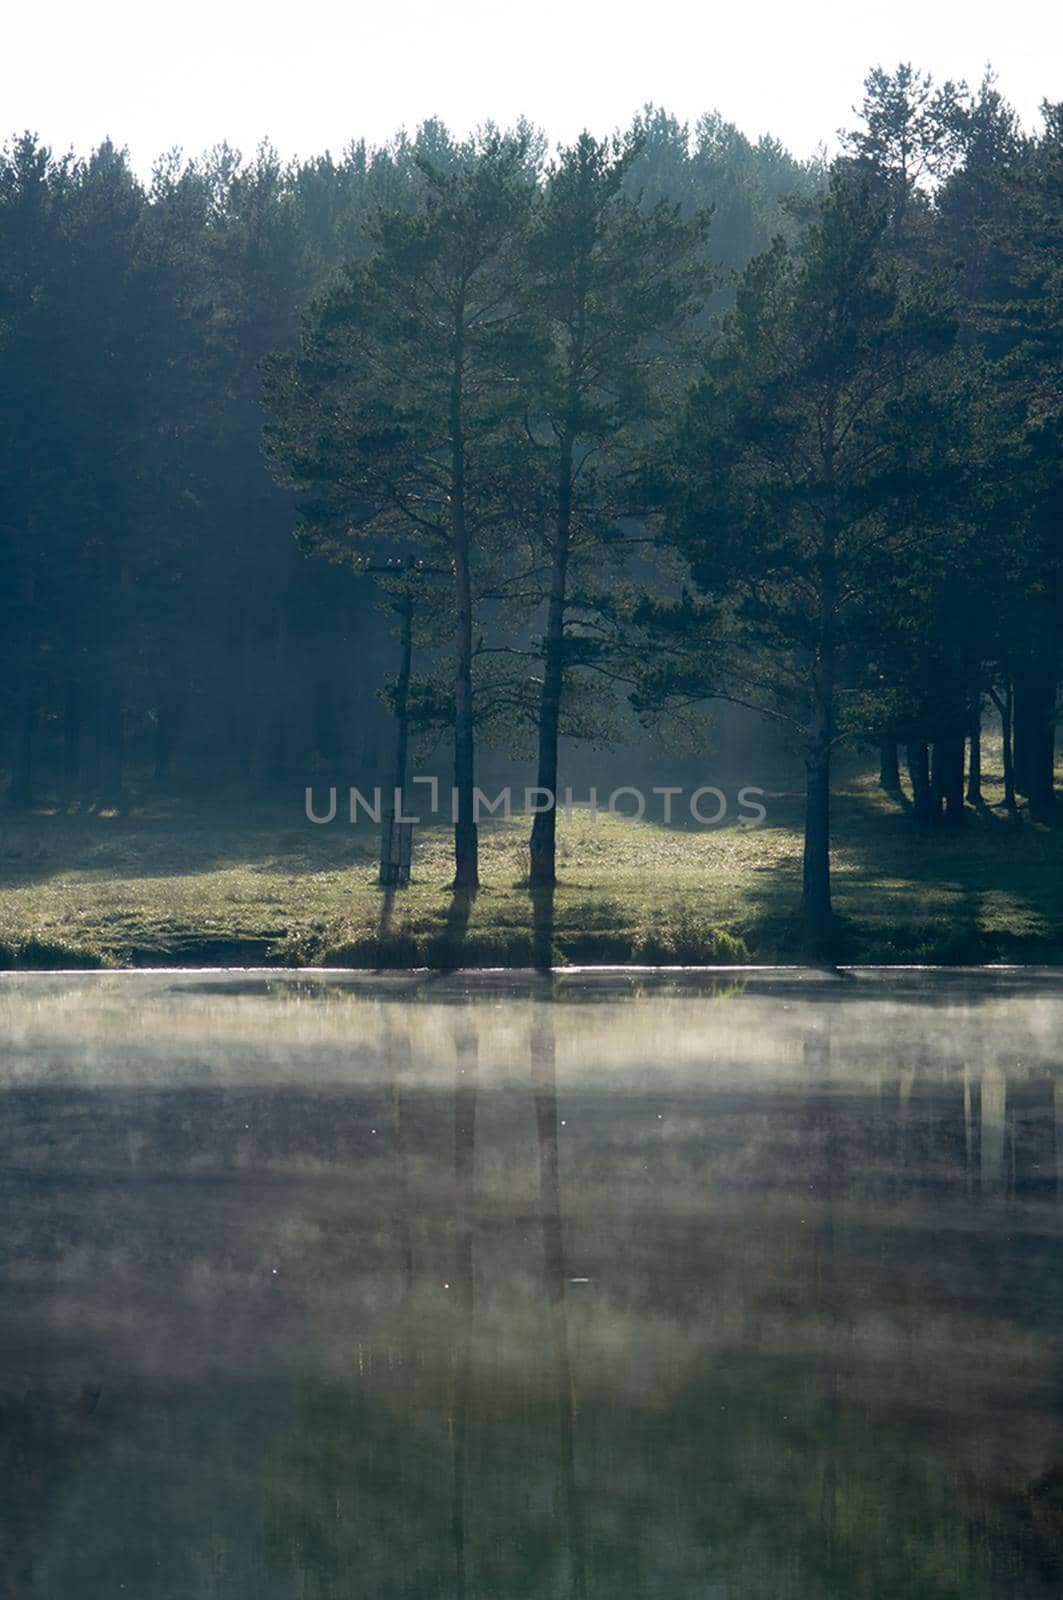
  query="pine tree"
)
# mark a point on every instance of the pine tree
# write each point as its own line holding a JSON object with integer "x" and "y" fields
{"x": 612, "y": 287}
{"x": 393, "y": 421}
{"x": 805, "y": 465}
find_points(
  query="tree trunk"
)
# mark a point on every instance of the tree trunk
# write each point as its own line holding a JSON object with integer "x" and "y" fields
{"x": 1035, "y": 733}
{"x": 974, "y": 778}
{"x": 109, "y": 709}
{"x": 1004, "y": 708}
{"x": 402, "y": 695}
{"x": 1020, "y": 732}
{"x": 466, "y": 836}
{"x": 816, "y": 889}
{"x": 816, "y": 906}
{"x": 947, "y": 786}
{"x": 817, "y": 909}
{"x": 112, "y": 739}
{"x": 71, "y": 733}
{"x": 937, "y": 779}
{"x": 110, "y": 677}
{"x": 22, "y": 767}
{"x": 918, "y": 757}
{"x": 390, "y": 870}
{"x": 167, "y": 721}
{"x": 543, "y": 843}
{"x": 24, "y": 720}
{"x": 889, "y": 771}
{"x": 274, "y": 707}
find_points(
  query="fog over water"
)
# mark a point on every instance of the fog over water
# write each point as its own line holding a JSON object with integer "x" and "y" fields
{"x": 422, "y": 1285}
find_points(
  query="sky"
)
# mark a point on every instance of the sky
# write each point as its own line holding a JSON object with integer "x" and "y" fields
{"x": 312, "y": 75}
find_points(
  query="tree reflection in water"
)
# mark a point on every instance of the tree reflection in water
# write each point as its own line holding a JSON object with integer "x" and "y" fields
{"x": 334, "y": 1339}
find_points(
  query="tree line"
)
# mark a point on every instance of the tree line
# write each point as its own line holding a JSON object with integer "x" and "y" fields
{"x": 845, "y": 480}
{"x": 159, "y": 627}
{"x": 666, "y": 417}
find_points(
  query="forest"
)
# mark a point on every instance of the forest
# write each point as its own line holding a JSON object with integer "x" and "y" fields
{"x": 502, "y": 447}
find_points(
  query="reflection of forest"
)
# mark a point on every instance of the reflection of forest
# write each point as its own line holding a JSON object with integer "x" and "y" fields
{"x": 490, "y": 1320}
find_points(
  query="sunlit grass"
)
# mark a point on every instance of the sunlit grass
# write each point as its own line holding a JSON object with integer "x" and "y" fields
{"x": 219, "y": 884}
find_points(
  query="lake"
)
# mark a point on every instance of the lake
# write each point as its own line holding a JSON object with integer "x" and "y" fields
{"x": 323, "y": 1285}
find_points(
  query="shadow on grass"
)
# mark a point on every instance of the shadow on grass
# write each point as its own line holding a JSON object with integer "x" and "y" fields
{"x": 391, "y": 948}
{"x": 991, "y": 890}
{"x": 168, "y": 837}
{"x": 168, "y": 842}
{"x": 942, "y": 895}
{"x": 446, "y": 950}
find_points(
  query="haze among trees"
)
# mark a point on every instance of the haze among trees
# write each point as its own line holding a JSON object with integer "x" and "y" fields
{"x": 651, "y": 421}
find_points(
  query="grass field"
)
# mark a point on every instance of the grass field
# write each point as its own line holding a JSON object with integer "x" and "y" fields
{"x": 168, "y": 884}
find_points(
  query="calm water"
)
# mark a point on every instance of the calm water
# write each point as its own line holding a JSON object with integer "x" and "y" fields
{"x": 314, "y": 1290}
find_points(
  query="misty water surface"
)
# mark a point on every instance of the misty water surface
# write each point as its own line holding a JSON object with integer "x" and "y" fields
{"x": 415, "y": 1287}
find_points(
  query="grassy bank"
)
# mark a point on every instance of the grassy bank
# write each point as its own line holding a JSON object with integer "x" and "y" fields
{"x": 168, "y": 884}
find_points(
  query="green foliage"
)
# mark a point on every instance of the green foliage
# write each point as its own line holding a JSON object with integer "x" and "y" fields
{"x": 680, "y": 936}
{"x": 155, "y": 616}
{"x": 861, "y": 499}
{"x": 913, "y": 132}
{"x": 207, "y": 886}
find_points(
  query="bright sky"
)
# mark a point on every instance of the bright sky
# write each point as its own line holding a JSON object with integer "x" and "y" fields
{"x": 312, "y": 75}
